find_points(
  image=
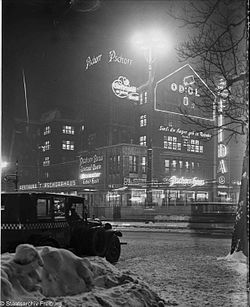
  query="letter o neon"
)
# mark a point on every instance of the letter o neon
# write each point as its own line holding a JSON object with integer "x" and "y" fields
{"x": 174, "y": 87}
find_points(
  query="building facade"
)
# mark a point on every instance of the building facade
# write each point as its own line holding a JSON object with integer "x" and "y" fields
{"x": 156, "y": 151}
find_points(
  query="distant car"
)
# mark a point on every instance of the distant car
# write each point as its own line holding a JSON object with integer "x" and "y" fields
{"x": 56, "y": 220}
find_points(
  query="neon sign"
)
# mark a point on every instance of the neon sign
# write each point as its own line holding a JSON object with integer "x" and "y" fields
{"x": 91, "y": 175}
{"x": 222, "y": 148}
{"x": 184, "y": 181}
{"x": 120, "y": 59}
{"x": 183, "y": 92}
{"x": 112, "y": 57}
{"x": 122, "y": 89}
{"x": 185, "y": 132}
{"x": 186, "y": 89}
{"x": 93, "y": 61}
{"x": 53, "y": 184}
{"x": 91, "y": 169}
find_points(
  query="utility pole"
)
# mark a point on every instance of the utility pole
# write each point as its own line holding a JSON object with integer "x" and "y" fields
{"x": 16, "y": 176}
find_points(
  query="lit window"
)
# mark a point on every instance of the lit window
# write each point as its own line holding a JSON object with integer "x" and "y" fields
{"x": 143, "y": 140}
{"x": 193, "y": 145}
{"x": 180, "y": 164}
{"x": 171, "y": 142}
{"x": 143, "y": 120}
{"x": 46, "y": 146}
{"x": 145, "y": 97}
{"x": 133, "y": 164}
{"x": 141, "y": 98}
{"x": 174, "y": 164}
{"x": 46, "y": 161}
{"x": 143, "y": 164}
{"x": 68, "y": 130}
{"x": 192, "y": 165}
{"x": 166, "y": 166}
{"x": 68, "y": 145}
{"x": 47, "y": 130}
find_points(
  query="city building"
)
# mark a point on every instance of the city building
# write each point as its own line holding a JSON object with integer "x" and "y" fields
{"x": 156, "y": 151}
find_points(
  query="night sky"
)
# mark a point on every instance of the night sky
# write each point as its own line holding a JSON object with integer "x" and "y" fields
{"x": 50, "y": 42}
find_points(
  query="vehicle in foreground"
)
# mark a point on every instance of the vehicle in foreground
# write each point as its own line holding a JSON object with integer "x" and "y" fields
{"x": 55, "y": 220}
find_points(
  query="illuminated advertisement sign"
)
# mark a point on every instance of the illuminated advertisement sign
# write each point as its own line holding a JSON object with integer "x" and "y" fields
{"x": 53, "y": 184}
{"x": 111, "y": 57}
{"x": 91, "y": 168}
{"x": 183, "y": 92}
{"x": 122, "y": 89}
{"x": 192, "y": 182}
{"x": 184, "y": 132}
{"x": 222, "y": 170}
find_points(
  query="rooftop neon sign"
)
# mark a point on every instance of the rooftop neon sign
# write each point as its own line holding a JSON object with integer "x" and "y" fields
{"x": 121, "y": 88}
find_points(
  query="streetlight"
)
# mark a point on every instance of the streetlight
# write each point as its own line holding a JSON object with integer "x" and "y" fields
{"x": 150, "y": 42}
{"x": 11, "y": 177}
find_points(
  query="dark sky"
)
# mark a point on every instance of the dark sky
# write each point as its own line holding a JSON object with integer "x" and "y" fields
{"x": 50, "y": 42}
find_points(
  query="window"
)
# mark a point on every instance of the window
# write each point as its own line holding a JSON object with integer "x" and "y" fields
{"x": 43, "y": 207}
{"x": 114, "y": 164}
{"x": 68, "y": 145}
{"x": 180, "y": 164}
{"x": 46, "y": 146}
{"x": 68, "y": 130}
{"x": 143, "y": 140}
{"x": 143, "y": 120}
{"x": 174, "y": 165}
{"x": 143, "y": 164}
{"x": 91, "y": 139}
{"x": 187, "y": 165}
{"x": 171, "y": 142}
{"x": 167, "y": 166}
{"x": 59, "y": 207}
{"x": 193, "y": 145}
{"x": 143, "y": 98}
{"x": 47, "y": 130}
{"x": 46, "y": 161}
{"x": 133, "y": 164}
{"x": 192, "y": 166}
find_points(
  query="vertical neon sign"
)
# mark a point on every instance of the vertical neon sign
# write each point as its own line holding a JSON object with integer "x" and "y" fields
{"x": 222, "y": 149}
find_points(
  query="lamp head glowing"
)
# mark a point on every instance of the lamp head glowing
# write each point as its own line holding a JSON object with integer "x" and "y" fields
{"x": 3, "y": 164}
{"x": 153, "y": 39}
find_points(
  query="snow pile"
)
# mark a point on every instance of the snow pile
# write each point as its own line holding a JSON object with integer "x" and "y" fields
{"x": 47, "y": 274}
{"x": 238, "y": 261}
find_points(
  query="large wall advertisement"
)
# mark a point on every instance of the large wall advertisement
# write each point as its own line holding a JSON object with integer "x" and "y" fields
{"x": 183, "y": 92}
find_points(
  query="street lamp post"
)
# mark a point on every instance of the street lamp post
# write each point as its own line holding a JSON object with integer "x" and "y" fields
{"x": 149, "y": 44}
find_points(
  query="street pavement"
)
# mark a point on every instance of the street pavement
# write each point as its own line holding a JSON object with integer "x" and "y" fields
{"x": 184, "y": 227}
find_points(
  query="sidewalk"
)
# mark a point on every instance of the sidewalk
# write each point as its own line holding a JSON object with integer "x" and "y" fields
{"x": 180, "y": 226}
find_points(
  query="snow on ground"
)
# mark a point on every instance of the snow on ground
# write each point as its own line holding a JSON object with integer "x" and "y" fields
{"x": 47, "y": 276}
{"x": 186, "y": 271}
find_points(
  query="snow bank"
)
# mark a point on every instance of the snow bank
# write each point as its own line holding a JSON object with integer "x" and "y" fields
{"x": 47, "y": 274}
{"x": 237, "y": 261}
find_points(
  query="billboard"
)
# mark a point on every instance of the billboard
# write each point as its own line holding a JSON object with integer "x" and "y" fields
{"x": 183, "y": 92}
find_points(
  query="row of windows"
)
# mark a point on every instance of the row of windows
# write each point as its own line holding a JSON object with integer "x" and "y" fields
{"x": 134, "y": 162}
{"x": 172, "y": 143}
{"x": 174, "y": 165}
{"x": 66, "y": 145}
{"x": 65, "y": 129}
